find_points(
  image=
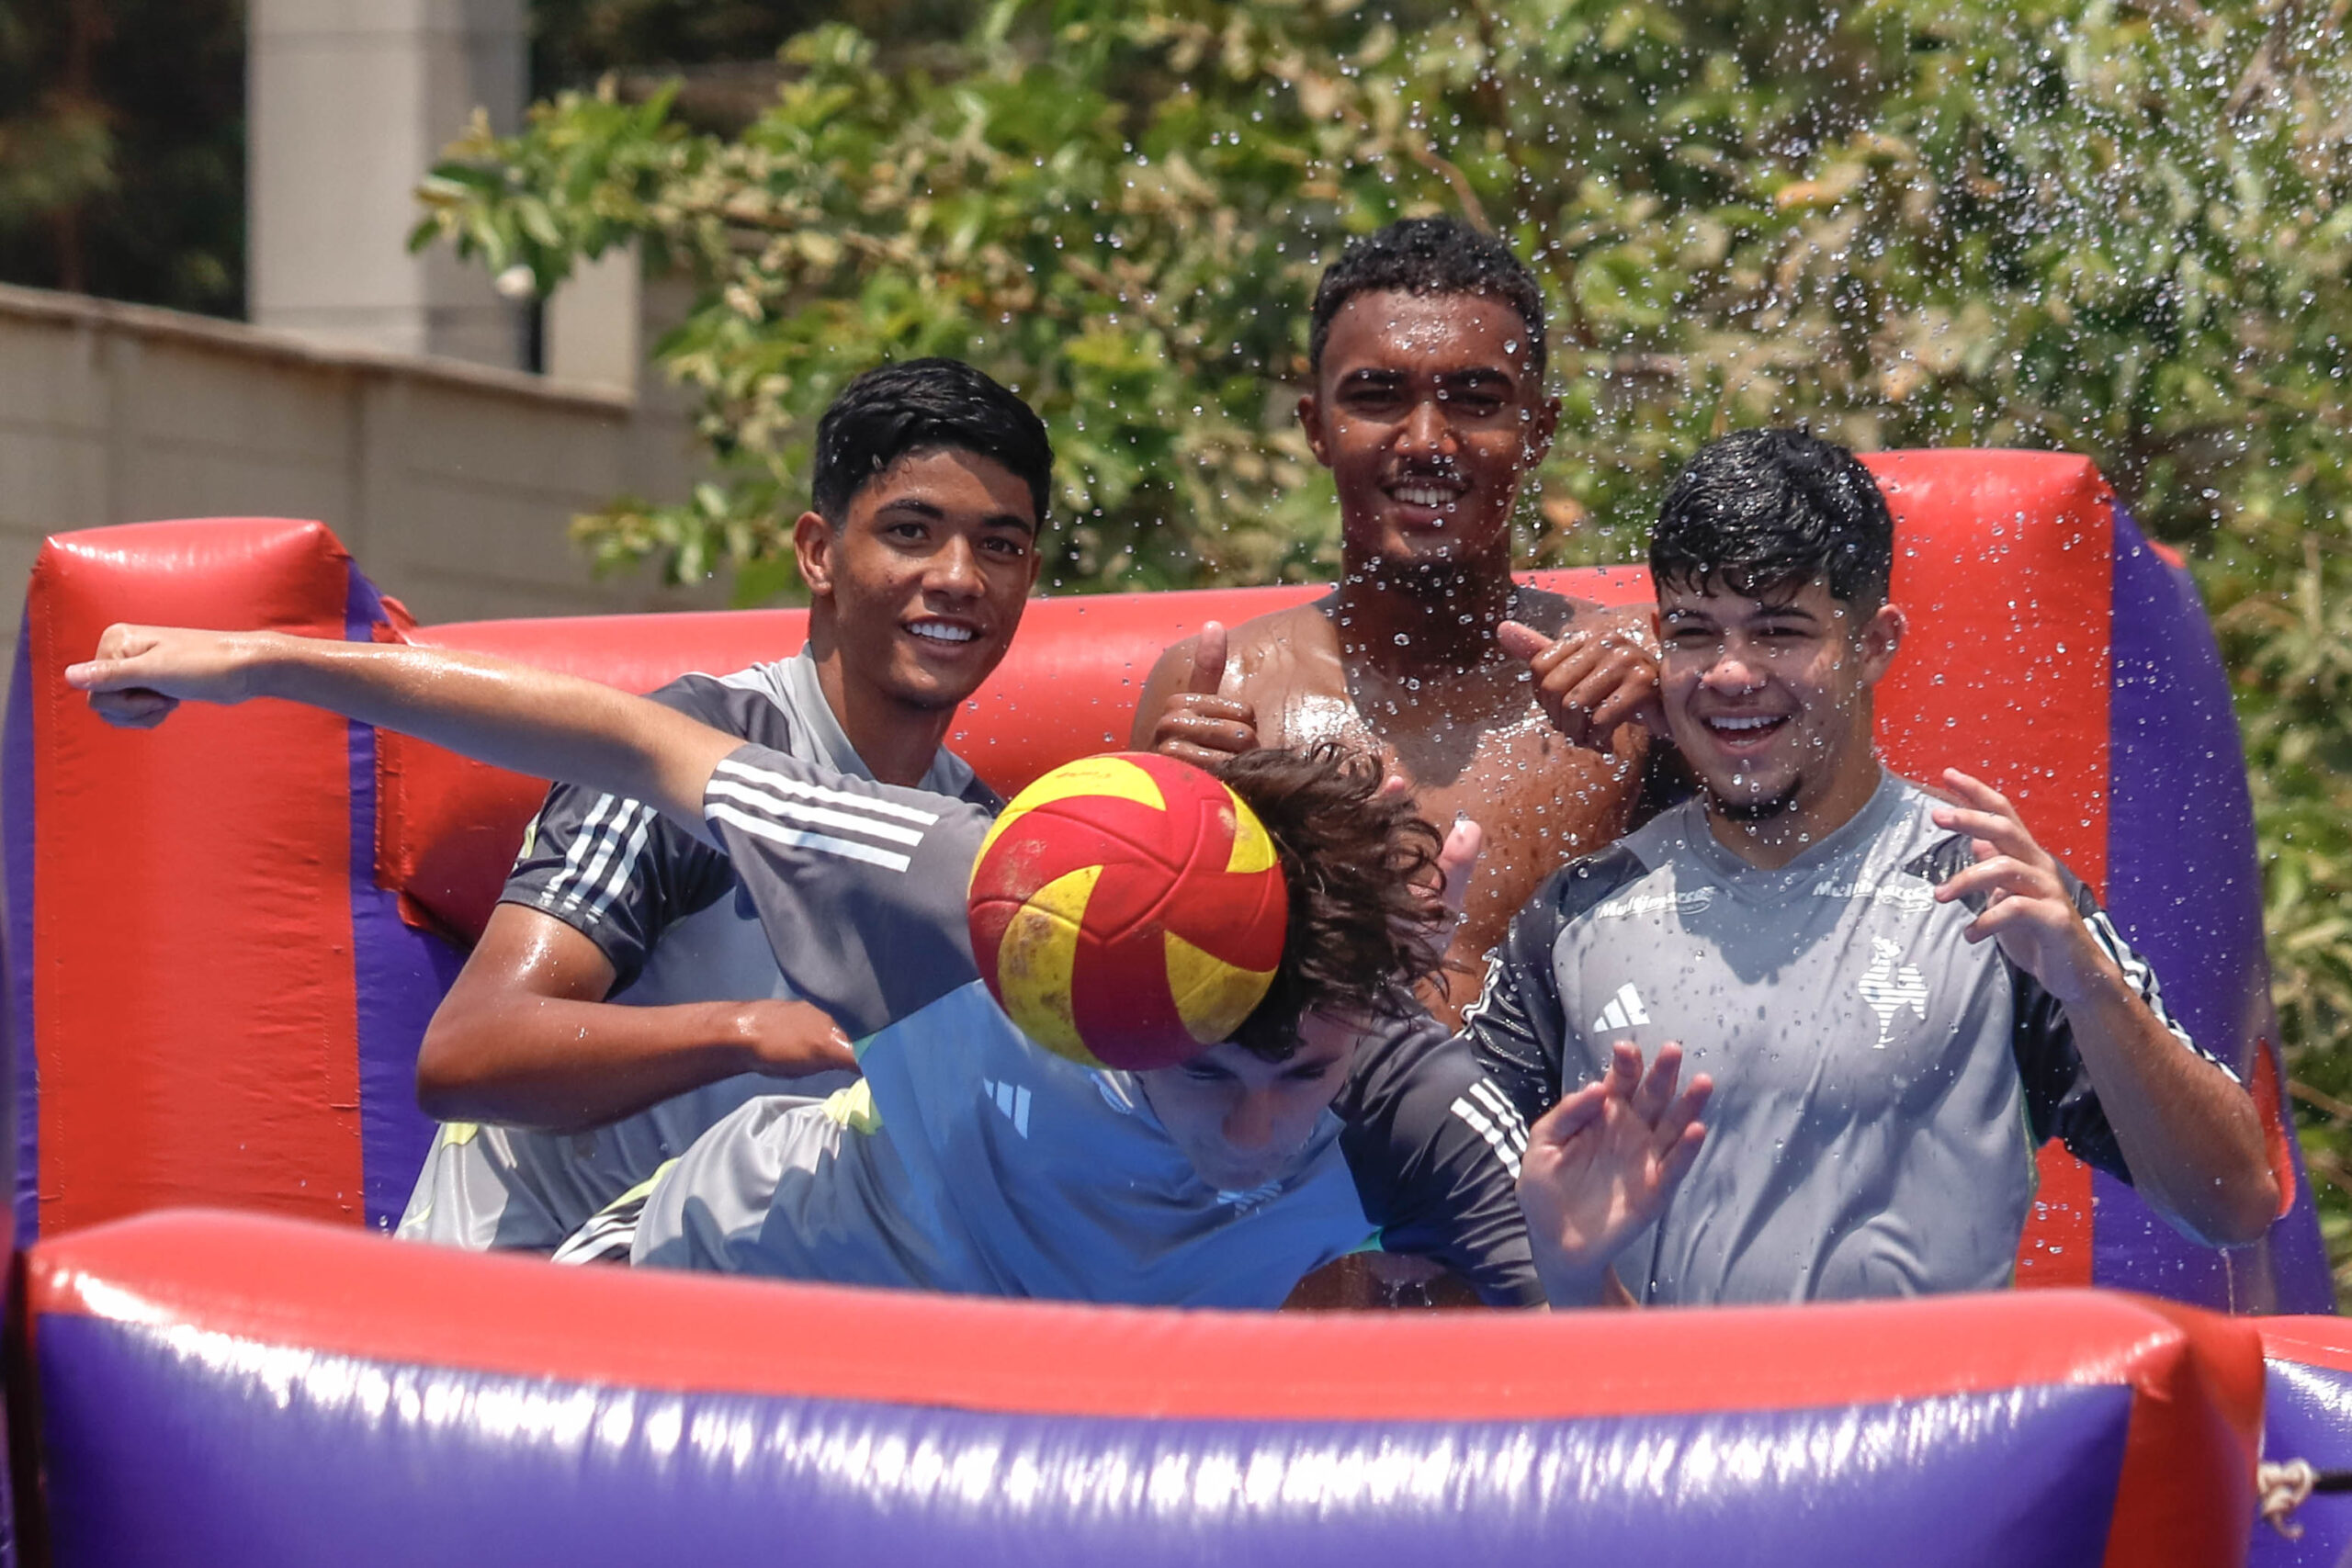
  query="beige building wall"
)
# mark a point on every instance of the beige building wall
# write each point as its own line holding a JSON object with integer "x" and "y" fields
{"x": 454, "y": 485}
{"x": 349, "y": 102}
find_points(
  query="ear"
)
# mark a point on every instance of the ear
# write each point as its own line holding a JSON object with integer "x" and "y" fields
{"x": 1536, "y": 443}
{"x": 1311, "y": 420}
{"x": 812, "y": 547}
{"x": 1881, "y": 640}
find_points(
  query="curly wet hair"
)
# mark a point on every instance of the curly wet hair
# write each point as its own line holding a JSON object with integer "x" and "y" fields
{"x": 1362, "y": 930}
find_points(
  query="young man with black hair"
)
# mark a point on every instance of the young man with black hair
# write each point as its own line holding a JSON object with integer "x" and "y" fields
{"x": 992, "y": 1166}
{"x": 1897, "y": 996}
{"x": 622, "y": 998}
{"x": 1427, "y": 351}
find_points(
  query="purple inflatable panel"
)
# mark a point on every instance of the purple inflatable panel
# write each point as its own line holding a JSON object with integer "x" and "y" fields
{"x": 175, "y": 1446}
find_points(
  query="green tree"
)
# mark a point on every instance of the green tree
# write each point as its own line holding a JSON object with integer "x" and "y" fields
{"x": 122, "y": 150}
{"x": 2116, "y": 228}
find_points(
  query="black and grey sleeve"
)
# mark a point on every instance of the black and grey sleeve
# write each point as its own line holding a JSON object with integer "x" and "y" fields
{"x": 2059, "y": 1100}
{"x": 1435, "y": 1147}
{"x": 860, "y": 885}
{"x": 1517, "y": 1025}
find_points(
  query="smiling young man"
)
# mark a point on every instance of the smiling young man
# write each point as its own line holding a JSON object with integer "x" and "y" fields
{"x": 1898, "y": 996}
{"x": 968, "y": 1159}
{"x": 623, "y": 999}
{"x": 1427, "y": 353}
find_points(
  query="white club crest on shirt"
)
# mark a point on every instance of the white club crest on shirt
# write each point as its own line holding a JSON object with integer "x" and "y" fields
{"x": 1889, "y": 989}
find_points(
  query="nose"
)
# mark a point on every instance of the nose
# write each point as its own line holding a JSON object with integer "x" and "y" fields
{"x": 1426, "y": 429}
{"x": 1731, "y": 669}
{"x": 954, "y": 569}
{"x": 1250, "y": 1122}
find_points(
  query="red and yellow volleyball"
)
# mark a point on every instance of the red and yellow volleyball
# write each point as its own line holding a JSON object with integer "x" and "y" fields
{"x": 1127, "y": 910}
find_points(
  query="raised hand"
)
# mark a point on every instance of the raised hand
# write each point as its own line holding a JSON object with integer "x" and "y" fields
{"x": 1195, "y": 725}
{"x": 2026, "y": 908}
{"x": 1592, "y": 680}
{"x": 141, "y": 674}
{"x": 1601, "y": 1164}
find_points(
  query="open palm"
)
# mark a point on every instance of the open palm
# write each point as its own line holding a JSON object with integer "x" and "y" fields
{"x": 1603, "y": 1162}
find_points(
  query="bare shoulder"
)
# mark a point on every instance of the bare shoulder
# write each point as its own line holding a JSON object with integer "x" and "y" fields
{"x": 1306, "y": 626}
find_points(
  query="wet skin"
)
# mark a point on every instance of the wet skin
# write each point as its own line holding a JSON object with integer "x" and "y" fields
{"x": 1428, "y": 418}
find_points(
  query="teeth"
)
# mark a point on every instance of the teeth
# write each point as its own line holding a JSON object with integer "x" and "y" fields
{"x": 1424, "y": 495}
{"x": 1741, "y": 723}
{"x": 940, "y": 631}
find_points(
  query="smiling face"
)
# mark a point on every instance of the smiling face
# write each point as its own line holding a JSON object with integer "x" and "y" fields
{"x": 1428, "y": 415}
{"x": 1769, "y": 697}
{"x": 1242, "y": 1120}
{"x": 921, "y": 586}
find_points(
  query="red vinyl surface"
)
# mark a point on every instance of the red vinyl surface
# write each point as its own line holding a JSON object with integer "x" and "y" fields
{"x": 332, "y": 1289}
{"x": 2006, "y": 675}
{"x": 162, "y": 1080}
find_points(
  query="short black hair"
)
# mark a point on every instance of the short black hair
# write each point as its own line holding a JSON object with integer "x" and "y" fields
{"x": 1429, "y": 255}
{"x": 1763, "y": 509}
{"x": 925, "y": 405}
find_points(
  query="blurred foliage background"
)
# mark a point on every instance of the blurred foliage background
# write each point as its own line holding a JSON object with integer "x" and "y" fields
{"x": 122, "y": 150}
{"x": 2118, "y": 227}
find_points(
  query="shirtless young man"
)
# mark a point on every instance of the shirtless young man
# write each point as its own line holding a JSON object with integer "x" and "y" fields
{"x": 1427, "y": 406}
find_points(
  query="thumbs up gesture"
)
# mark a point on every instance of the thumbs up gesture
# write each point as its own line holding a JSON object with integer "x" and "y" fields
{"x": 1593, "y": 678}
{"x": 1193, "y": 722}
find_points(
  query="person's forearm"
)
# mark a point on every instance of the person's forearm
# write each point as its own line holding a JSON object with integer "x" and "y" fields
{"x": 561, "y": 1066}
{"x": 511, "y": 715}
{"x": 2191, "y": 1138}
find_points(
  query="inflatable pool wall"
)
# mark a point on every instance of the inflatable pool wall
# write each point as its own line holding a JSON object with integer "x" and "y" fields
{"x": 225, "y": 938}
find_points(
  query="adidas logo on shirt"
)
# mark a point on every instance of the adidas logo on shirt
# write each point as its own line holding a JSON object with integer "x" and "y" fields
{"x": 1624, "y": 1011}
{"x": 1010, "y": 1098}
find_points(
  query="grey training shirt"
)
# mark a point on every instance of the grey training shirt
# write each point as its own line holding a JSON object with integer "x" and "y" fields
{"x": 1882, "y": 1086}
{"x": 665, "y": 909}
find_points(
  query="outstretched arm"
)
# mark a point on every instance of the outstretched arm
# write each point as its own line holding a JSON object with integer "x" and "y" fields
{"x": 2190, "y": 1135}
{"x": 509, "y": 714}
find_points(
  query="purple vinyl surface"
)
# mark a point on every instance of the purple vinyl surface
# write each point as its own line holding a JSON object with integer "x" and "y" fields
{"x": 2307, "y": 1415}
{"x": 398, "y": 977}
{"x": 169, "y": 1444}
{"x": 2183, "y": 883}
{"x": 17, "y": 810}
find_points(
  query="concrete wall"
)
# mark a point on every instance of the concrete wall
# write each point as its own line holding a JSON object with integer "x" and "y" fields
{"x": 349, "y": 102}
{"x": 454, "y": 485}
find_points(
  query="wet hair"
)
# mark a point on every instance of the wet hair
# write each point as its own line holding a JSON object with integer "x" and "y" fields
{"x": 925, "y": 405}
{"x": 1428, "y": 256}
{"x": 1362, "y": 931}
{"x": 1775, "y": 509}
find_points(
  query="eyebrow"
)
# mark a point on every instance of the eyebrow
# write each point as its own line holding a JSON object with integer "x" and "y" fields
{"x": 930, "y": 512}
{"x": 1475, "y": 376}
